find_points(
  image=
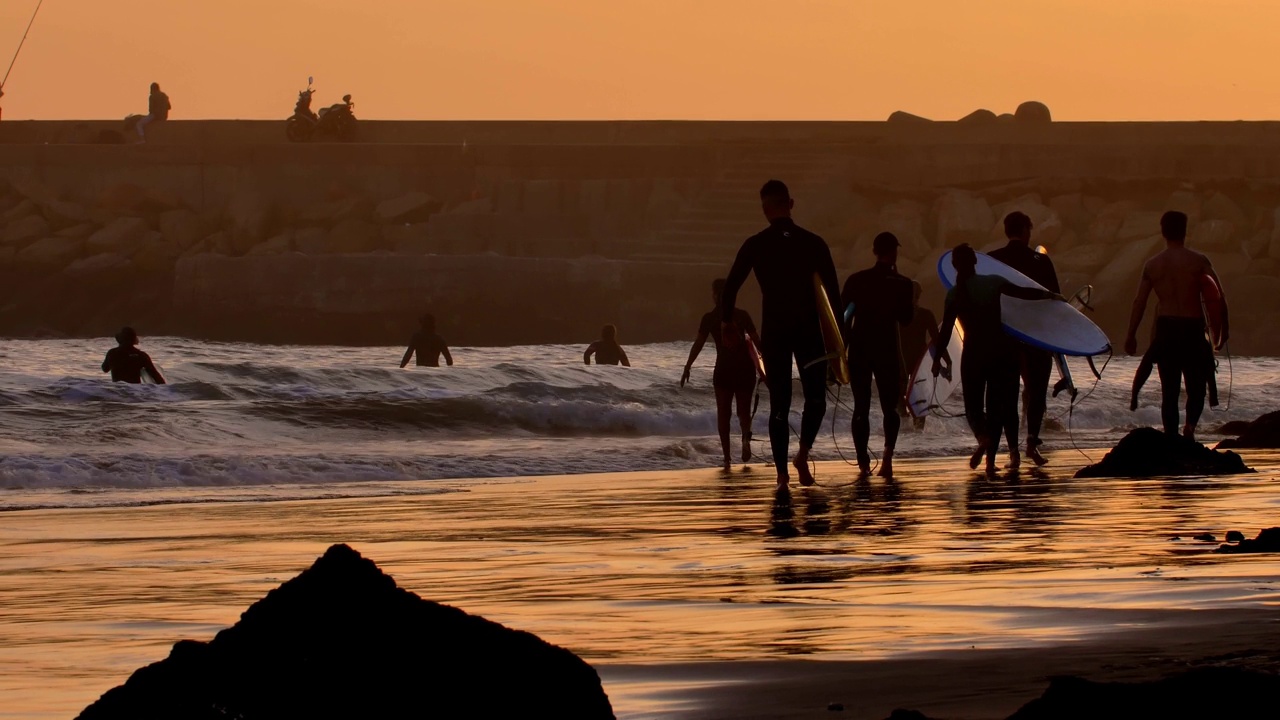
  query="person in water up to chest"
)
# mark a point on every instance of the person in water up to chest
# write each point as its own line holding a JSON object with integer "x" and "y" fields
{"x": 427, "y": 345}
{"x": 606, "y": 350}
{"x": 126, "y": 362}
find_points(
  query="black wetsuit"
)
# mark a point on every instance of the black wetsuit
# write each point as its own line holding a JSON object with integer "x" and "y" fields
{"x": 881, "y": 301}
{"x": 126, "y": 364}
{"x": 784, "y": 258}
{"x": 607, "y": 353}
{"x": 428, "y": 347}
{"x": 735, "y": 370}
{"x": 1180, "y": 350}
{"x": 989, "y": 366}
{"x": 1035, "y": 365}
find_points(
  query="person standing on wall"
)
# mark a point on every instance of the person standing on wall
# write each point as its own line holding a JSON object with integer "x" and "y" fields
{"x": 882, "y": 302}
{"x": 784, "y": 258}
{"x": 1034, "y": 365}
{"x": 158, "y": 108}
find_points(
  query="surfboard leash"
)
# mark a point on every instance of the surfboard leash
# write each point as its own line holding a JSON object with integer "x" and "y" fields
{"x": 1071, "y": 407}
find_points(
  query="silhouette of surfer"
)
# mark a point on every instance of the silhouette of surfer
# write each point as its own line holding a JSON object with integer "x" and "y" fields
{"x": 1179, "y": 348}
{"x": 606, "y": 349}
{"x": 158, "y": 108}
{"x": 881, "y": 300}
{"x": 989, "y": 366}
{"x": 1034, "y": 365}
{"x": 784, "y": 258}
{"x": 126, "y": 362}
{"x": 918, "y": 335}
{"x": 427, "y": 345}
{"x": 734, "y": 377}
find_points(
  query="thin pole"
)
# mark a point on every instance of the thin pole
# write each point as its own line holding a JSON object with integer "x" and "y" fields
{"x": 20, "y": 43}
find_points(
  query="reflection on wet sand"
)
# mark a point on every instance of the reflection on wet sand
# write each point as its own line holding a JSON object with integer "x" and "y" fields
{"x": 649, "y": 567}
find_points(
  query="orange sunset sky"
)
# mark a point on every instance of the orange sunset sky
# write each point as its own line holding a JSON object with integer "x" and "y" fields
{"x": 600, "y": 59}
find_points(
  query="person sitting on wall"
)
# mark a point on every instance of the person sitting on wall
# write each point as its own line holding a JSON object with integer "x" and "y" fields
{"x": 158, "y": 108}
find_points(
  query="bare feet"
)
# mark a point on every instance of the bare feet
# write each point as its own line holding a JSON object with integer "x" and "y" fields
{"x": 801, "y": 464}
{"x": 976, "y": 458}
{"x": 886, "y": 465}
{"x": 784, "y": 481}
{"x": 746, "y": 448}
{"x": 1189, "y": 432}
{"x": 1015, "y": 459}
{"x": 728, "y": 464}
{"x": 864, "y": 468}
{"x": 991, "y": 464}
{"x": 1033, "y": 452}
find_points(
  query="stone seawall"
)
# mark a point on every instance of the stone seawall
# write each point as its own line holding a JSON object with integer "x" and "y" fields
{"x": 207, "y": 212}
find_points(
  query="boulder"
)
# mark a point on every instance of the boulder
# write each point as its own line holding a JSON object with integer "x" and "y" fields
{"x": 156, "y": 253}
{"x": 1033, "y": 113}
{"x": 354, "y": 207}
{"x": 311, "y": 241}
{"x": 1138, "y": 224}
{"x": 125, "y": 235}
{"x": 412, "y": 239}
{"x": 63, "y": 214}
{"x": 250, "y": 219}
{"x": 408, "y": 208}
{"x": 1118, "y": 279}
{"x": 1071, "y": 210}
{"x": 1227, "y": 264}
{"x": 277, "y": 245}
{"x": 1221, "y": 207}
{"x": 182, "y": 228}
{"x": 898, "y": 116}
{"x": 26, "y": 208}
{"x": 121, "y": 198}
{"x": 102, "y": 262}
{"x": 981, "y": 116}
{"x": 1267, "y": 541}
{"x": 1185, "y": 201}
{"x": 477, "y": 206}
{"x": 1212, "y": 235}
{"x": 1147, "y": 452}
{"x": 49, "y": 253}
{"x": 353, "y": 236}
{"x": 961, "y": 217}
{"x": 78, "y": 232}
{"x": 1006, "y": 118}
{"x": 1083, "y": 259}
{"x": 33, "y": 189}
{"x": 1256, "y": 246}
{"x": 1263, "y": 266}
{"x": 1107, "y": 221}
{"x": 1046, "y": 226}
{"x": 905, "y": 218}
{"x": 8, "y": 254}
{"x": 341, "y": 640}
{"x": 1204, "y": 692}
{"x": 1261, "y": 433}
{"x": 26, "y": 230}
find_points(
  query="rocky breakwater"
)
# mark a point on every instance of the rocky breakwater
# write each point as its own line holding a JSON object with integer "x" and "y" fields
{"x": 1147, "y": 452}
{"x": 342, "y": 641}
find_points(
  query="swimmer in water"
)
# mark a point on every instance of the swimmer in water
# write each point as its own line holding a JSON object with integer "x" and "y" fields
{"x": 606, "y": 349}
{"x": 126, "y": 362}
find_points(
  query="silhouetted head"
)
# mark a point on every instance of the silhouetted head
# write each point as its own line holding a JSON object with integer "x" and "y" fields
{"x": 155, "y": 87}
{"x": 885, "y": 246}
{"x": 1173, "y": 225}
{"x": 428, "y": 322}
{"x": 964, "y": 260}
{"x": 1017, "y": 226}
{"x": 127, "y": 337}
{"x": 717, "y": 290}
{"x": 916, "y": 291}
{"x": 609, "y": 333}
{"x": 775, "y": 200}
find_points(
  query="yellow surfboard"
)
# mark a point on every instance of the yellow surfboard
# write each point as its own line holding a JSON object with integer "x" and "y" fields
{"x": 832, "y": 339}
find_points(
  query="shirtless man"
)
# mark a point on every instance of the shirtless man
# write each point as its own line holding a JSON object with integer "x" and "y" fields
{"x": 1179, "y": 347}
{"x": 427, "y": 345}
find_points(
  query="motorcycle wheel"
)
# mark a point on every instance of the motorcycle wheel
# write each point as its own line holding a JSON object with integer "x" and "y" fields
{"x": 297, "y": 131}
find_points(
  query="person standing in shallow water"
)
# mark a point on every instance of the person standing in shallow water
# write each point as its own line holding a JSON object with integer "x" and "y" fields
{"x": 785, "y": 257}
{"x": 126, "y": 362}
{"x": 427, "y": 345}
{"x": 735, "y": 375}
{"x": 1179, "y": 347}
{"x": 1034, "y": 365}
{"x": 989, "y": 367}
{"x": 881, "y": 300}
{"x": 918, "y": 335}
{"x": 606, "y": 350}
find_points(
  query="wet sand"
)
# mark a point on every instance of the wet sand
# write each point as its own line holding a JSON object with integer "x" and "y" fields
{"x": 695, "y": 594}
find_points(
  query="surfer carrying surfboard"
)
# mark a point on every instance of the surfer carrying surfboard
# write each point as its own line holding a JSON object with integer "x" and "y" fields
{"x": 989, "y": 365}
{"x": 785, "y": 258}
{"x": 1034, "y": 364}
{"x": 734, "y": 378}
{"x": 882, "y": 302}
{"x": 126, "y": 362}
{"x": 1179, "y": 347}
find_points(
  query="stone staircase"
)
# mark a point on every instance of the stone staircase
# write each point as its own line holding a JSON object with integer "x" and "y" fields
{"x": 712, "y": 226}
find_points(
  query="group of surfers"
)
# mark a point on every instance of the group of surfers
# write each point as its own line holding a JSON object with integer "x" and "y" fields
{"x": 785, "y": 259}
{"x": 888, "y": 328}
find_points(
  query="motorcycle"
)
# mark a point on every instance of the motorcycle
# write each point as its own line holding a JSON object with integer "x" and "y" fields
{"x": 337, "y": 122}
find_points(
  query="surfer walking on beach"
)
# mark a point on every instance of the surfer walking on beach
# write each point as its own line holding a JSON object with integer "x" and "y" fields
{"x": 989, "y": 366}
{"x": 882, "y": 302}
{"x": 1034, "y": 365}
{"x": 427, "y": 345}
{"x": 734, "y": 377}
{"x": 918, "y": 335}
{"x": 1179, "y": 347}
{"x": 126, "y": 362}
{"x": 606, "y": 350}
{"x": 785, "y": 258}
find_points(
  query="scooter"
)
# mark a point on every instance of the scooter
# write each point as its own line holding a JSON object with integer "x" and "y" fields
{"x": 337, "y": 122}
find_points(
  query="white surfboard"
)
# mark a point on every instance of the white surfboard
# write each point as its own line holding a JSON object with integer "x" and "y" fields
{"x": 1054, "y": 326}
{"x": 926, "y": 393}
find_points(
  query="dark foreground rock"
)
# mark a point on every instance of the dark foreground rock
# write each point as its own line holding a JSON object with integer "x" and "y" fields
{"x": 1261, "y": 433}
{"x": 1268, "y": 541}
{"x": 342, "y": 641}
{"x": 1147, "y": 452}
{"x": 1196, "y": 694}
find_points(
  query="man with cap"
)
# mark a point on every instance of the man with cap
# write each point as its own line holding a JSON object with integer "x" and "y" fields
{"x": 1034, "y": 365}
{"x": 882, "y": 302}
